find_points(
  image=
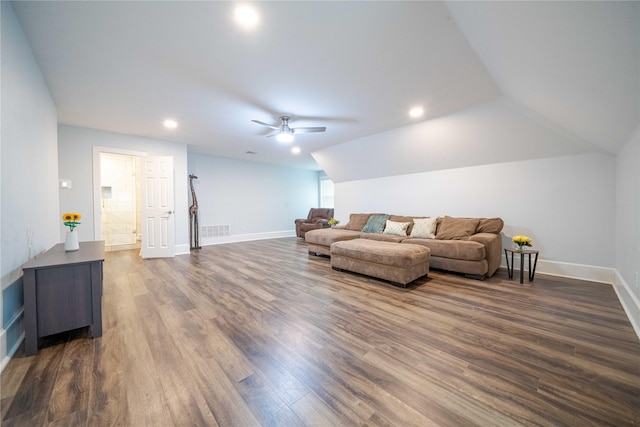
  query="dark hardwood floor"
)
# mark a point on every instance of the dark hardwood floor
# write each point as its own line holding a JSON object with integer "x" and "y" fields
{"x": 260, "y": 333}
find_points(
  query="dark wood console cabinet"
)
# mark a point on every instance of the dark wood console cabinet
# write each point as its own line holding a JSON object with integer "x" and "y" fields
{"x": 63, "y": 291}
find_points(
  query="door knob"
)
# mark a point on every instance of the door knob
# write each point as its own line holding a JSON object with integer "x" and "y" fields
{"x": 169, "y": 212}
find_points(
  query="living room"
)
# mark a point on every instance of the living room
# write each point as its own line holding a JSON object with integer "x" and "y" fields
{"x": 566, "y": 174}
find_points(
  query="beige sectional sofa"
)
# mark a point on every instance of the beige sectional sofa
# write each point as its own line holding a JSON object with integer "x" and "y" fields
{"x": 472, "y": 246}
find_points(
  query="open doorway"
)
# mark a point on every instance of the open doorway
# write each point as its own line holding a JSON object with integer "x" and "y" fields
{"x": 119, "y": 201}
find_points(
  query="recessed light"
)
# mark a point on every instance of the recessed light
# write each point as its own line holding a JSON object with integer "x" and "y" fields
{"x": 171, "y": 124}
{"x": 246, "y": 16}
{"x": 416, "y": 112}
{"x": 295, "y": 150}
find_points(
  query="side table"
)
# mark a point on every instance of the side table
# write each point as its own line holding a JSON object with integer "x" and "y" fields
{"x": 532, "y": 271}
{"x": 63, "y": 291}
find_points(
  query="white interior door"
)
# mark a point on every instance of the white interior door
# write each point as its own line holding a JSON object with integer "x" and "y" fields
{"x": 158, "y": 224}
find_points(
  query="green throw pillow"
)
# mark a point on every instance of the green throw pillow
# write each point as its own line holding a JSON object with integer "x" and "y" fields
{"x": 375, "y": 224}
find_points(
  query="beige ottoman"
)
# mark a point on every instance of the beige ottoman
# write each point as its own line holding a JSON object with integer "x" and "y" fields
{"x": 395, "y": 262}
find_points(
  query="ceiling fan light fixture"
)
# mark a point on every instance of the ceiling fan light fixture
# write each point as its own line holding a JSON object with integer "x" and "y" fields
{"x": 284, "y": 137}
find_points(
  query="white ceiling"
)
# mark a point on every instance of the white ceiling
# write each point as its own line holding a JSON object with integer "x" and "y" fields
{"x": 354, "y": 67}
{"x": 575, "y": 63}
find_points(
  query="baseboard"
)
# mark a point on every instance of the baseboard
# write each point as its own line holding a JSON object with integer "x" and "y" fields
{"x": 247, "y": 237}
{"x": 7, "y": 358}
{"x": 5, "y": 354}
{"x": 185, "y": 248}
{"x": 630, "y": 303}
{"x": 589, "y": 273}
{"x": 182, "y": 249}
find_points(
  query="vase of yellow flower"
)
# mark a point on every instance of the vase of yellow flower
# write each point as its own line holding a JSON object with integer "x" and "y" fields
{"x": 333, "y": 222}
{"x": 521, "y": 242}
{"x": 71, "y": 220}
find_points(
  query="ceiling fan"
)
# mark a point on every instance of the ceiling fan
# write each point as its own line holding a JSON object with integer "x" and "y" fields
{"x": 285, "y": 133}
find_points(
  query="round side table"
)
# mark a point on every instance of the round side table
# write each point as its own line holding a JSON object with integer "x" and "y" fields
{"x": 532, "y": 271}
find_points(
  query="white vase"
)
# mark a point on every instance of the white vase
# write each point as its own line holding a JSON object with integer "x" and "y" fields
{"x": 71, "y": 241}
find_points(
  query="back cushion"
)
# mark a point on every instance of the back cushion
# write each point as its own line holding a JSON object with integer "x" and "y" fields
{"x": 490, "y": 225}
{"x": 357, "y": 221}
{"x": 326, "y": 213}
{"x": 457, "y": 228}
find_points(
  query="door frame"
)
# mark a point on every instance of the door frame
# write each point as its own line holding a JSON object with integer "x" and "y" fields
{"x": 97, "y": 177}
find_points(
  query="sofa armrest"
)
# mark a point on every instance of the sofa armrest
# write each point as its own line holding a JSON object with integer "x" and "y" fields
{"x": 493, "y": 246}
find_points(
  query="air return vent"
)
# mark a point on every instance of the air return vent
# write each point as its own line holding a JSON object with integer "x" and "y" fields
{"x": 214, "y": 230}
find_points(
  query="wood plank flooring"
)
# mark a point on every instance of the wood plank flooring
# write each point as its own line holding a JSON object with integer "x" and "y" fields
{"x": 261, "y": 334}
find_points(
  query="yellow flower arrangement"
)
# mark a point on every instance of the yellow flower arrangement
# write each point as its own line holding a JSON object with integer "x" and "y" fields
{"x": 333, "y": 222}
{"x": 522, "y": 241}
{"x": 71, "y": 220}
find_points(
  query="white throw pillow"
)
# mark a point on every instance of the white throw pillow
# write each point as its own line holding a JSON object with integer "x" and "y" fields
{"x": 424, "y": 228}
{"x": 398, "y": 228}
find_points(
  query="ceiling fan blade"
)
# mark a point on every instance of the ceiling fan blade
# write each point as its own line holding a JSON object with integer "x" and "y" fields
{"x": 310, "y": 130}
{"x": 265, "y": 124}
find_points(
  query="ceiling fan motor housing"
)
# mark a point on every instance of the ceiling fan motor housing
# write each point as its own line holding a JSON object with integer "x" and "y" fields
{"x": 284, "y": 127}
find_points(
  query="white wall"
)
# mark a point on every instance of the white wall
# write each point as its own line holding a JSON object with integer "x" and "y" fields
{"x": 257, "y": 200}
{"x": 565, "y": 204}
{"x": 75, "y": 146}
{"x": 29, "y": 209}
{"x": 628, "y": 227}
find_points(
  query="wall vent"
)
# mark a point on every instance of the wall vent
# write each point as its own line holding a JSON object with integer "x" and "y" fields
{"x": 214, "y": 230}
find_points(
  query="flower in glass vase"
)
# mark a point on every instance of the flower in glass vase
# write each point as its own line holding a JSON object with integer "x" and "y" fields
{"x": 334, "y": 222}
{"x": 71, "y": 220}
{"x": 522, "y": 242}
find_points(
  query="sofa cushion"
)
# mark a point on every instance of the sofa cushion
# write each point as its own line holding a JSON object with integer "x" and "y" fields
{"x": 490, "y": 225}
{"x": 424, "y": 228}
{"x": 375, "y": 224}
{"x": 381, "y": 237}
{"x": 397, "y": 228}
{"x": 326, "y": 236}
{"x": 457, "y": 228}
{"x": 357, "y": 221}
{"x": 454, "y": 249}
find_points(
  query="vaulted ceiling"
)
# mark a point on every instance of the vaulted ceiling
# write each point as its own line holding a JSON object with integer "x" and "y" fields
{"x": 546, "y": 78}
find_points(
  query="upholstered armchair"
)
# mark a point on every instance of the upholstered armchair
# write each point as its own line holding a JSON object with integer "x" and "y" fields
{"x": 317, "y": 218}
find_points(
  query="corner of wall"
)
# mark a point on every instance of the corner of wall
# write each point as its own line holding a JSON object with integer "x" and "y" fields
{"x": 630, "y": 303}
